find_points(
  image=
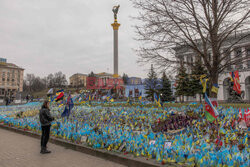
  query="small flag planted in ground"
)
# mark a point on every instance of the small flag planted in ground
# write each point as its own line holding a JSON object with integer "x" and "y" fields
{"x": 203, "y": 83}
{"x": 50, "y": 92}
{"x": 157, "y": 100}
{"x": 140, "y": 96}
{"x": 68, "y": 107}
{"x": 210, "y": 111}
{"x": 60, "y": 95}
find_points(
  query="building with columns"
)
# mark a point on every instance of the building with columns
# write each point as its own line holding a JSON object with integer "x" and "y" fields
{"x": 241, "y": 49}
{"x": 11, "y": 79}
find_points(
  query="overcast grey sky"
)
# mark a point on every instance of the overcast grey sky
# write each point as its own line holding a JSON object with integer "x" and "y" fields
{"x": 46, "y": 36}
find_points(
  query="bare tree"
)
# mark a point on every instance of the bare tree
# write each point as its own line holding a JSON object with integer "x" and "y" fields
{"x": 33, "y": 84}
{"x": 28, "y": 82}
{"x": 203, "y": 26}
{"x": 60, "y": 79}
{"x": 50, "y": 80}
{"x": 57, "y": 80}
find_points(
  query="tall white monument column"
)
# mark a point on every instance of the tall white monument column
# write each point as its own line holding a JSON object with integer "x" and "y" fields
{"x": 115, "y": 26}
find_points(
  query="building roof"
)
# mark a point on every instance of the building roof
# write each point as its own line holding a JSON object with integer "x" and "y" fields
{"x": 104, "y": 74}
{"x": 78, "y": 74}
{"x": 10, "y": 65}
{"x": 134, "y": 78}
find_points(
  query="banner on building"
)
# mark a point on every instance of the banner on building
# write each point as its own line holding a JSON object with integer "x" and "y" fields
{"x": 104, "y": 83}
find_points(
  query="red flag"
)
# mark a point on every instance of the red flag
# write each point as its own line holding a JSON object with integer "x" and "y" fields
{"x": 233, "y": 123}
{"x": 236, "y": 80}
{"x": 60, "y": 96}
{"x": 240, "y": 115}
{"x": 247, "y": 117}
{"x": 175, "y": 84}
{"x": 218, "y": 141}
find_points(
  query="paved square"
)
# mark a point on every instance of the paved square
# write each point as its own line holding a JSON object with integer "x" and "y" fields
{"x": 17, "y": 150}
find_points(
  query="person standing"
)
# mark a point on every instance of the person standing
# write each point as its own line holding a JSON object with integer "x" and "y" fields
{"x": 45, "y": 120}
{"x": 27, "y": 98}
{"x": 7, "y": 101}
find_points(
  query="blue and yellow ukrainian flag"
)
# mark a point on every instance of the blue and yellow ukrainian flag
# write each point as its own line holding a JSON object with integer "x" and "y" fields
{"x": 203, "y": 83}
{"x": 157, "y": 100}
{"x": 215, "y": 88}
{"x": 140, "y": 96}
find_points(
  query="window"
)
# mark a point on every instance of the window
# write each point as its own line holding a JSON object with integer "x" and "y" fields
{"x": 227, "y": 54}
{"x": 239, "y": 66}
{"x": 229, "y": 68}
{"x": 18, "y": 74}
{"x": 198, "y": 58}
{"x": 209, "y": 57}
{"x": 248, "y": 51}
{"x": 3, "y": 60}
{"x": 189, "y": 59}
{"x": 228, "y": 59}
{"x": 181, "y": 60}
{"x": 238, "y": 54}
{"x": 248, "y": 64}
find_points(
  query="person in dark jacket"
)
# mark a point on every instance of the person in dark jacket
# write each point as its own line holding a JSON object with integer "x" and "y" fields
{"x": 45, "y": 120}
{"x": 7, "y": 101}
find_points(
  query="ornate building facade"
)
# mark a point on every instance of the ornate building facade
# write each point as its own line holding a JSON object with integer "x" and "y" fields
{"x": 11, "y": 79}
{"x": 240, "y": 50}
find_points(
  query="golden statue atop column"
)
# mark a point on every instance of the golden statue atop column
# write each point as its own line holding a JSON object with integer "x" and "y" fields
{"x": 115, "y": 11}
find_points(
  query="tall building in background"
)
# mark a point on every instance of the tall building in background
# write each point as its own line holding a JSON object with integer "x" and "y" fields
{"x": 11, "y": 79}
